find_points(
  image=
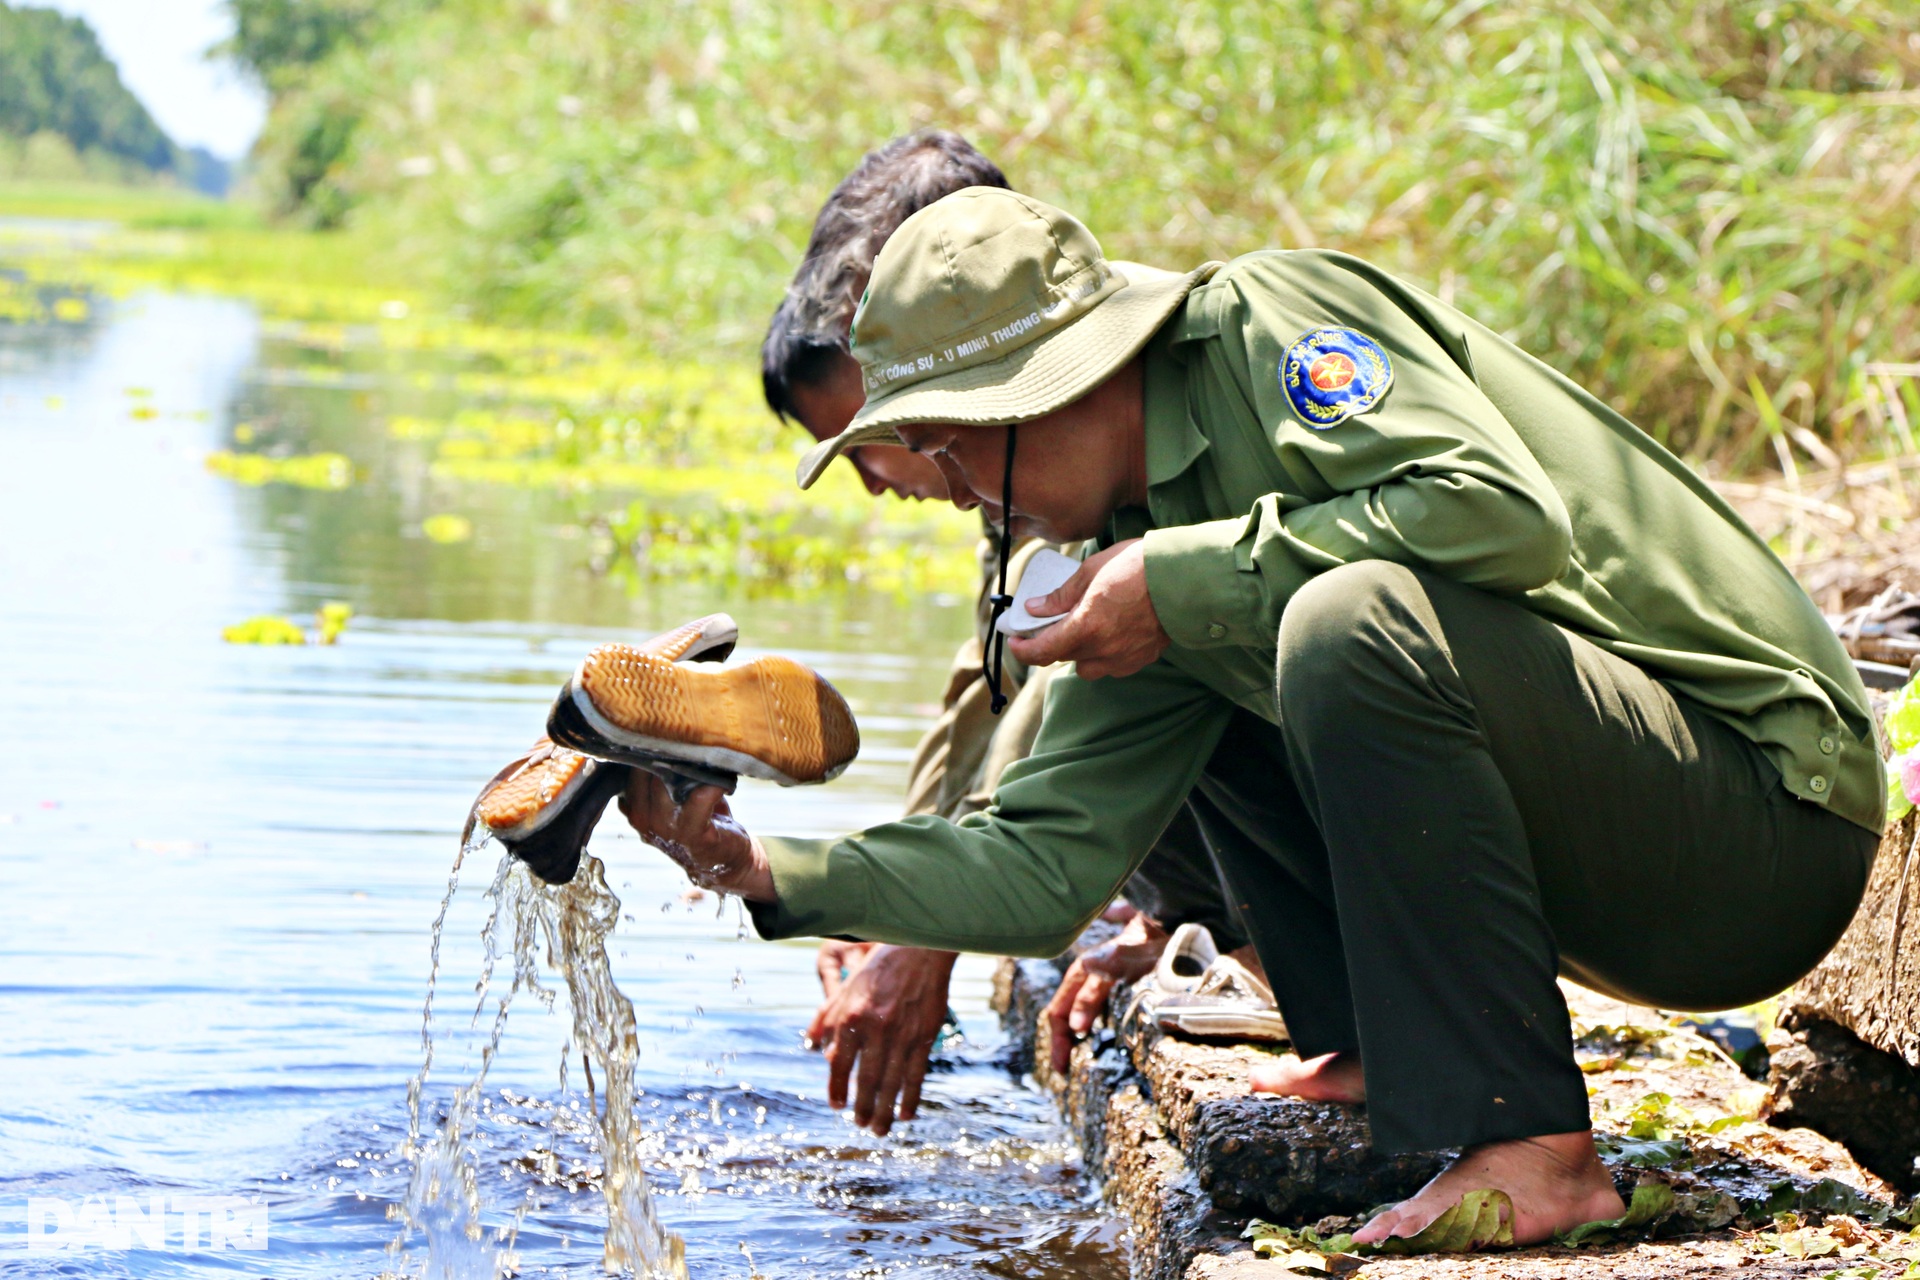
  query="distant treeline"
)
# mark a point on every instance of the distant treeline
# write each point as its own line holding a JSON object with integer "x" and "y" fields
{"x": 1705, "y": 209}
{"x": 65, "y": 113}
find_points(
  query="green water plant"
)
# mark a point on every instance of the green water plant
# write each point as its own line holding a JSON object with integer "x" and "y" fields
{"x": 266, "y": 629}
{"x": 304, "y": 471}
{"x": 330, "y": 622}
{"x": 446, "y": 528}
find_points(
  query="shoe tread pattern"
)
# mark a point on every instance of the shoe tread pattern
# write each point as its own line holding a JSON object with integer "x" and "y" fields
{"x": 773, "y": 708}
{"x": 674, "y": 644}
{"x": 530, "y": 789}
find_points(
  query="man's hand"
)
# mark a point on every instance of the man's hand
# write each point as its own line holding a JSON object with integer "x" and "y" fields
{"x": 715, "y": 851}
{"x": 1111, "y": 630}
{"x": 837, "y": 956}
{"x": 1090, "y": 980}
{"x": 885, "y": 1017}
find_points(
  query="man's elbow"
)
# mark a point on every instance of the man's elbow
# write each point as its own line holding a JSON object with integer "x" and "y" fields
{"x": 1534, "y": 550}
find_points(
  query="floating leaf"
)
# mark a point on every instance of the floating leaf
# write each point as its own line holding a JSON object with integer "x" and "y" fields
{"x": 1650, "y": 1201}
{"x": 266, "y": 629}
{"x": 332, "y": 618}
{"x": 305, "y": 471}
{"x": 447, "y": 528}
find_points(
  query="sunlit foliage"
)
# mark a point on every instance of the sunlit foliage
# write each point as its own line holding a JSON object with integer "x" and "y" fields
{"x": 671, "y": 469}
{"x": 1703, "y": 208}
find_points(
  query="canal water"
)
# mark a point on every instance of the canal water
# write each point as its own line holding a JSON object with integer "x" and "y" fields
{"x": 219, "y": 864}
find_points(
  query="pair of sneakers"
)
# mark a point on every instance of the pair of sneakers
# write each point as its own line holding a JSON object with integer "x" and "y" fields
{"x": 1196, "y": 991}
{"x": 667, "y": 706}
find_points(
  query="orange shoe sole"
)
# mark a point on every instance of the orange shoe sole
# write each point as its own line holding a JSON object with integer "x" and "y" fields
{"x": 549, "y": 777}
{"x": 770, "y": 718}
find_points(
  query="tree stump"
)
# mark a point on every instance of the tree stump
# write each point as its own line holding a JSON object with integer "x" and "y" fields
{"x": 1846, "y": 1054}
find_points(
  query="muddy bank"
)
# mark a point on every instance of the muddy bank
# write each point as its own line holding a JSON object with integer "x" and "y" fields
{"x": 1188, "y": 1156}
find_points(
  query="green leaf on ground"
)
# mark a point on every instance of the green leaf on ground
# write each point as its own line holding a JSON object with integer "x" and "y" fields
{"x": 1481, "y": 1220}
{"x": 1643, "y": 1153}
{"x": 1305, "y": 1261}
{"x": 1303, "y": 1250}
{"x": 1650, "y": 1201}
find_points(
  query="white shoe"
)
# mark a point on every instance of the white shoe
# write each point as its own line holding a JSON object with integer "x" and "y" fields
{"x": 1185, "y": 961}
{"x": 1228, "y": 1001}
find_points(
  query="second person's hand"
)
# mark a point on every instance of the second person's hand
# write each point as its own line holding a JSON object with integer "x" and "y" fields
{"x": 1091, "y": 978}
{"x": 878, "y": 1031}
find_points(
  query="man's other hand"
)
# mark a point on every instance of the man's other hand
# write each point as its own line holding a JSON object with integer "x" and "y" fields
{"x": 1091, "y": 977}
{"x": 837, "y": 960}
{"x": 1111, "y": 628}
{"x": 883, "y": 1019}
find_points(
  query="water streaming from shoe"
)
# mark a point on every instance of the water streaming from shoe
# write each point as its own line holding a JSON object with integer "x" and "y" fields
{"x": 442, "y": 1203}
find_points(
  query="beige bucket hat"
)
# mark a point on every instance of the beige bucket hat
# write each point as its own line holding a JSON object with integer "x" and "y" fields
{"x": 990, "y": 307}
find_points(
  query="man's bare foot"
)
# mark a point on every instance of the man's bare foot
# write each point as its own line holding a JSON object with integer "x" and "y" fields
{"x": 1331, "y": 1077}
{"x": 1556, "y": 1182}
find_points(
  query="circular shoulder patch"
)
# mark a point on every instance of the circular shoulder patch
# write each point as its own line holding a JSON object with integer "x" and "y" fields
{"x": 1331, "y": 374}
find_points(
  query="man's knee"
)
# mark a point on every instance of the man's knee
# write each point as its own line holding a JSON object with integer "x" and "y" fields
{"x": 1340, "y": 619}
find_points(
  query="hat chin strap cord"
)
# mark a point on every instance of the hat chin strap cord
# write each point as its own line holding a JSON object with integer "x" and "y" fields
{"x": 1000, "y": 600}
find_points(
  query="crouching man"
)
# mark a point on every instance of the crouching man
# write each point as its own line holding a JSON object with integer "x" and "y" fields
{"x": 1484, "y": 684}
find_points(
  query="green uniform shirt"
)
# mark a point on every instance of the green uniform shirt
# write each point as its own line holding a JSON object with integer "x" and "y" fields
{"x": 1479, "y": 463}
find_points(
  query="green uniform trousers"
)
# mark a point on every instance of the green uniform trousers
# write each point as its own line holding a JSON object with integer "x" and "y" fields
{"x": 1462, "y": 800}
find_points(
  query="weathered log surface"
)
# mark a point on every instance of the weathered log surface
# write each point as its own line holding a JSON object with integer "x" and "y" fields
{"x": 1276, "y": 1158}
{"x": 1870, "y": 982}
{"x": 1826, "y": 1078}
{"x": 1846, "y": 1054}
{"x": 1187, "y": 1155}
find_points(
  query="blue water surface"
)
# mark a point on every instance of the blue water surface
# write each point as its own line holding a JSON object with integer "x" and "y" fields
{"x": 218, "y": 864}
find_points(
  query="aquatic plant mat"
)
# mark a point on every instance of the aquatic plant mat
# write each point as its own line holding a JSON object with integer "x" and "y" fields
{"x": 1207, "y": 1172}
{"x": 443, "y": 1198}
{"x": 646, "y": 469}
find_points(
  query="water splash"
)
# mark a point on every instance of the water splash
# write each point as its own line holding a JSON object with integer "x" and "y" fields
{"x": 443, "y": 1196}
{"x": 577, "y": 917}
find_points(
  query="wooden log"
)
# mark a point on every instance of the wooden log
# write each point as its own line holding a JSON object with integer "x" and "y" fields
{"x": 1870, "y": 982}
{"x": 1846, "y": 1055}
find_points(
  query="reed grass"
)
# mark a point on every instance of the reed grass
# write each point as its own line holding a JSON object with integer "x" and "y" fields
{"x": 1703, "y": 209}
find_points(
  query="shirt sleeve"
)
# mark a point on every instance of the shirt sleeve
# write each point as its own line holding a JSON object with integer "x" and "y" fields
{"x": 1432, "y": 476}
{"x": 1114, "y": 760}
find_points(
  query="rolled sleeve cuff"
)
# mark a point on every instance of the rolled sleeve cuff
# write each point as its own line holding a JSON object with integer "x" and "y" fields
{"x": 810, "y": 899}
{"x": 1205, "y": 597}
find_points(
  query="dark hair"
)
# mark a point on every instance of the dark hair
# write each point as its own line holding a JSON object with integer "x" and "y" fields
{"x": 887, "y": 187}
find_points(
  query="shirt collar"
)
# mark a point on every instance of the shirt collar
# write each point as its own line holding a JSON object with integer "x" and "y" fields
{"x": 1173, "y": 441}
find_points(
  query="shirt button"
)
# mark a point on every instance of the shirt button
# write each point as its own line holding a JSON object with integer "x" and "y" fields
{"x": 1826, "y": 745}
{"x": 1215, "y": 631}
{"x": 1818, "y": 783}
